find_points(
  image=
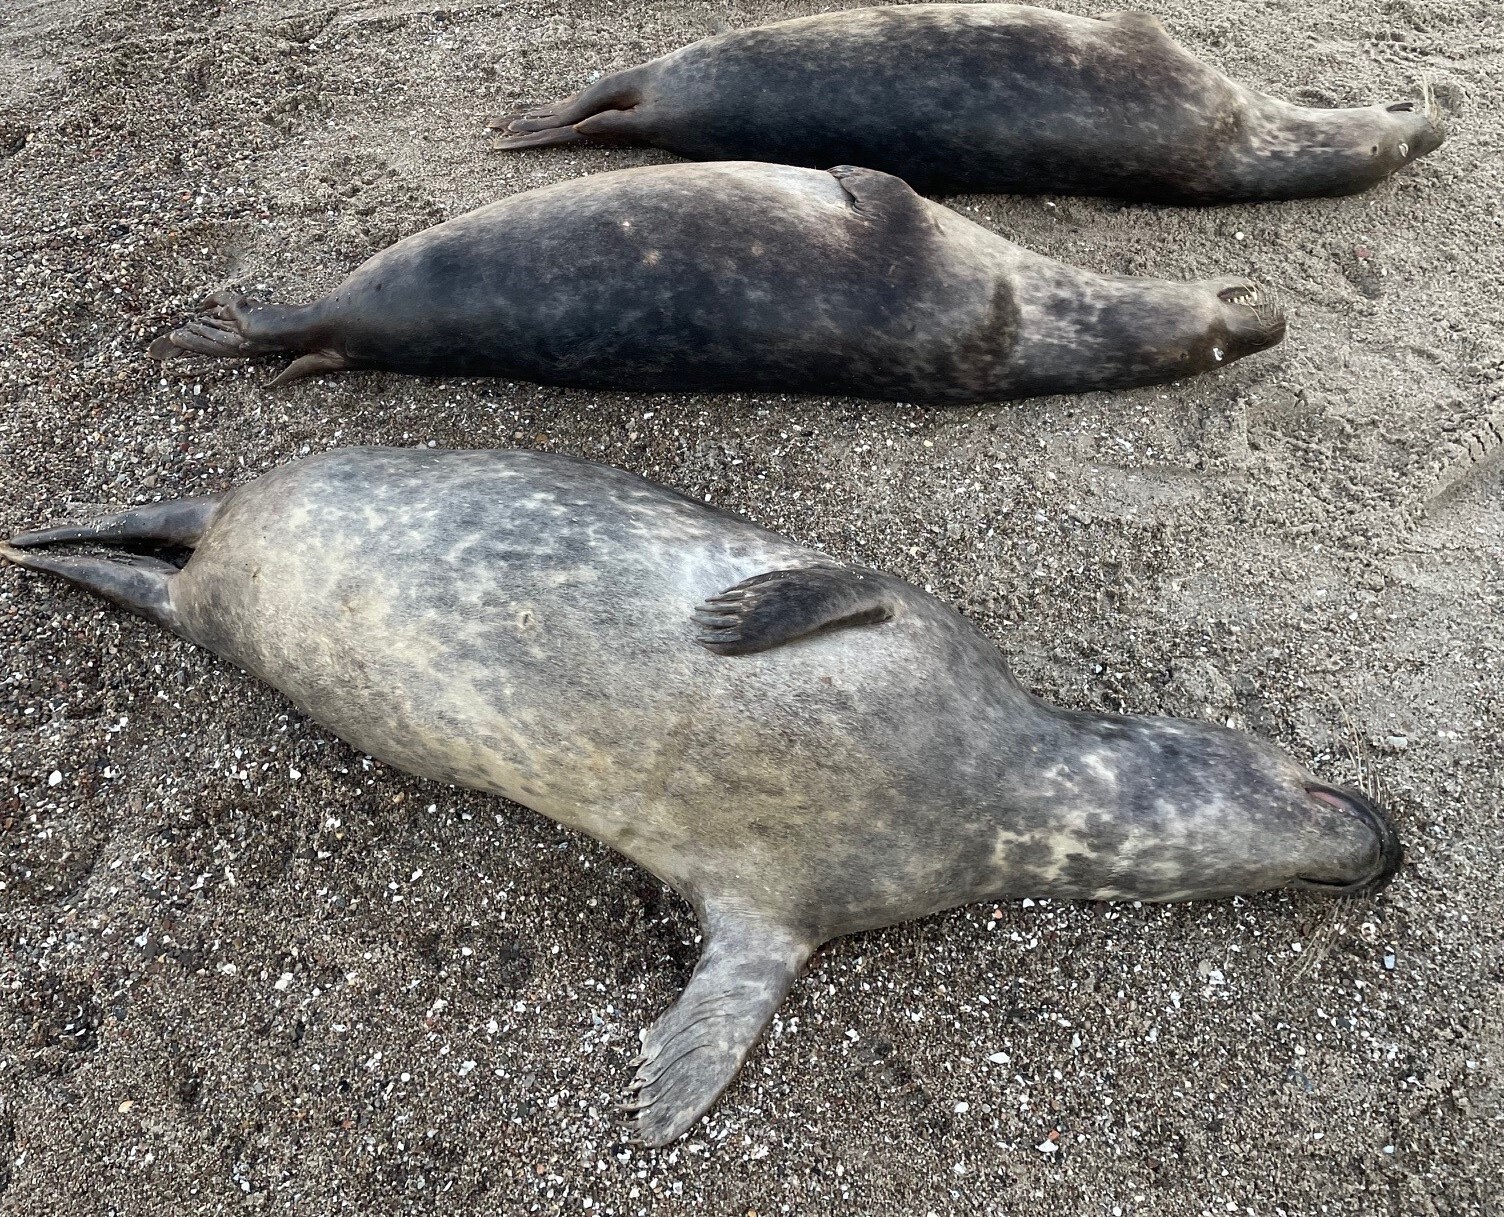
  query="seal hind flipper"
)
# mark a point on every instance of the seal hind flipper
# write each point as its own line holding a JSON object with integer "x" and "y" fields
{"x": 782, "y": 606}
{"x": 697, "y": 1046}
{"x": 231, "y": 326}
{"x": 176, "y": 522}
{"x": 309, "y": 365}
{"x": 606, "y": 109}
{"x": 132, "y": 581}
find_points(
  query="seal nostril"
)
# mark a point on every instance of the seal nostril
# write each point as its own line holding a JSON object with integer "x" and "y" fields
{"x": 1389, "y": 853}
{"x": 1401, "y": 107}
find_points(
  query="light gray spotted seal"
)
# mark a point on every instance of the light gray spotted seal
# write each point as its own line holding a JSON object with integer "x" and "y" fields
{"x": 745, "y": 278}
{"x": 801, "y": 748}
{"x": 994, "y": 97}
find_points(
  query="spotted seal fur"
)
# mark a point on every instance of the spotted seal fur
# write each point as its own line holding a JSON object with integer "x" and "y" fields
{"x": 745, "y": 278}
{"x": 800, "y": 747}
{"x": 989, "y": 97}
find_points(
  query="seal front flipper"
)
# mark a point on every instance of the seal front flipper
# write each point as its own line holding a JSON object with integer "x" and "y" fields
{"x": 698, "y": 1045}
{"x": 874, "y": 193}
{"x": 781, "y": 606}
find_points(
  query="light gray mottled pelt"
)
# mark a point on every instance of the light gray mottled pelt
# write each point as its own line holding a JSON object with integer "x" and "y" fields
{"x": 802, "y": 748}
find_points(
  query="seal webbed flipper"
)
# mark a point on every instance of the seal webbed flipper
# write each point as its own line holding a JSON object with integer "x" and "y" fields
{"x": 309, "y": 365}
{"x": 132, "y": 581}
{"x": 177, "y": 522}
{"x": 873, "y": 192}
{"x": 604, "y": 110}
{"x": 782, "y": 606}
{"x": 1132, "y": 18}
{"x": 697, "y": 1046}
{"x": 230, "y": 326}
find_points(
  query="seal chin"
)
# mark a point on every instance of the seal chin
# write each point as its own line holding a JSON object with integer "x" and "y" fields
{"x": 1251, "y": 316}
{"x": 1371, "y": 863}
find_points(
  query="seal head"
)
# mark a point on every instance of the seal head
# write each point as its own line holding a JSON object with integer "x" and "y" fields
{"x": 1175, "y": 830}
{"x": 1289, "y": 151}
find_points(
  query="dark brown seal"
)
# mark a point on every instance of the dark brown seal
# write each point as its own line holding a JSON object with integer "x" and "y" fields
{"x": 802, "y": 748}
{"x": 745, "y": 277}
{"x": 988, "y": 97}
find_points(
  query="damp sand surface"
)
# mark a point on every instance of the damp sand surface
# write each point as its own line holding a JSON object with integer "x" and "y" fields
{"x": 244, "y": 968}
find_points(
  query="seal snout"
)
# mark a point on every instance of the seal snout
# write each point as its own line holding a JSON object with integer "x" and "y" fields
{"x": 1252, "y": 315}
{"x": 1370, "y": 861}
{"x": 1414, "y": 130}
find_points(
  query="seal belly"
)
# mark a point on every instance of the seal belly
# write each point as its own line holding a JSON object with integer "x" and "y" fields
{"x": 479, "y": 620}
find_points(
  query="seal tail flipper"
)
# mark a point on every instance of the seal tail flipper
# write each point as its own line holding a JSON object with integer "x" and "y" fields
{"x": 607, "y": 109}
{"x": 230, "y": 326}
{"x": 782, "y": 606}
{"x": 179, "y": 522}
{"x": 134, "y": 582}
{"x": 698, "y": 1045}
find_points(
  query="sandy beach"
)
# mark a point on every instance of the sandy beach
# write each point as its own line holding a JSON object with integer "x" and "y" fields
{"x": 244, "y": 968}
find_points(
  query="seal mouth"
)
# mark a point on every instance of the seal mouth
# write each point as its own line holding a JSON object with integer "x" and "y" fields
{"x": 1256, "y": 319}
{"x": 1422, "y": 133}
{"x": 1389, "y": 853}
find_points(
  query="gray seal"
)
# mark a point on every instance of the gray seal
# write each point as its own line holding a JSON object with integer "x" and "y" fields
{"x": 800, "y": 747}
{"x": 988, "y": 97}
{"x": 744, "y": 277}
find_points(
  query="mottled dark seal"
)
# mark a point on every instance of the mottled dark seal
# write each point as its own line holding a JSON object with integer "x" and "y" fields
{"x": 745, "y": 277}
{"x": 802, "y": 748}
{"x": 988, "y": 97}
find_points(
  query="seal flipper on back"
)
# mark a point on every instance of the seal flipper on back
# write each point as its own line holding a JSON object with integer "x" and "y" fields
{"x": 783, "y": 606}
{"x": 134, "y": 581}
{"x": 697, "y": 1046}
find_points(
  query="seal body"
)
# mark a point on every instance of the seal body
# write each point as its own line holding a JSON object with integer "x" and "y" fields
{"x": 746, "y": 277}
{"x": 801, "y": 748}
{"x": 988, "y": 97}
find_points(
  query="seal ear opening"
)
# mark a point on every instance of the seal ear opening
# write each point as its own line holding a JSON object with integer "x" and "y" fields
{"x": 782, "y": 606}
